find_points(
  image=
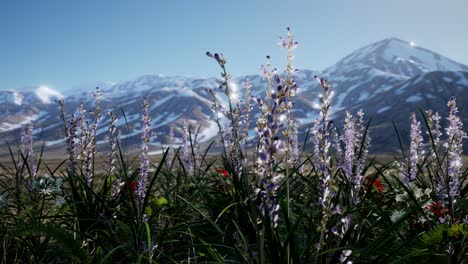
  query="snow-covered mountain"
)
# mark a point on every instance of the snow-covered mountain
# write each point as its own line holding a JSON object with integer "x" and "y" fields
{"x": 387, "y": 79}
{"x": 395, "y": 56}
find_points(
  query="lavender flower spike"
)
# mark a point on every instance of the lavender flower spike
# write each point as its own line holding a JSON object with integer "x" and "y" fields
{"x": 186, "y": 149}
{"x": 144, "y": 163}
{"x": 454, "y": 145}
{"x": 112, "y": 143}
{"x": 350, "y": 144}
{"x": 22, "y": 147}
{"x": 72, "y": 141}
{"x": 416, "y": 149}
{"x": 27, "y": 150}
{"x": 170, "y": 154}
{"x": 31, "y": 157}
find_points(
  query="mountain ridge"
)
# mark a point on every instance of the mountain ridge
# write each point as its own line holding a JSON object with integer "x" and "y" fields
{"x": 368, "y": 78}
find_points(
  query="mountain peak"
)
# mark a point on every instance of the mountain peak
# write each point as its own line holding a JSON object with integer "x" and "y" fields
{"x": 394, "y": 39}
{"x": 396, "y": 56}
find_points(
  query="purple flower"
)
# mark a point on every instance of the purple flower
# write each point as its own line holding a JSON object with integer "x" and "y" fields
{"x": 89, "y": 140}
{"x": 112, "y": 143}
{"x": 321, "y": 138}
{"x": 433, "y": 121}
{"x": 454, "y": 145}
{"x": 416, "y": 149}
{"x": 364, "y": 139}
{"x": 288, "y": 42}
{"x": 27, "y": 149}
{"x": 349, "y": 138}
{"x": 218, "y": 57}
{"x": 186, "y": 149}
{"x": 170, "y": 154}
{"x": 144, "y": 161}
{"x": 344, "y": 255}
{"x": 353, "y": 163}
{"x": 72, "y": 141}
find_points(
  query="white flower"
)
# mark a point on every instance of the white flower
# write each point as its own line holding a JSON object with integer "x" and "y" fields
{"x": 397, "y": 215}
{"x": 401, "y": 197}
{"x": 46, "y": 191}
{"x": 59, "y": 200}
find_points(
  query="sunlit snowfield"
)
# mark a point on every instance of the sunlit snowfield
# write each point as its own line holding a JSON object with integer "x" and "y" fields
{"x": 259, "y": 180}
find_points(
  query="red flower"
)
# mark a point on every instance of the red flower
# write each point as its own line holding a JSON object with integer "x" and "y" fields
{"x": 223, "y": 172}
{"x": 437, "y": 209}
{"x": 133, "y": 185}
{"x": 376, "y": 183}
{"x": 379, "y": 185}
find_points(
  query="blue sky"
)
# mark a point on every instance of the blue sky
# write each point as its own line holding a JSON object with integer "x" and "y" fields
{"x": 66, "y": 44}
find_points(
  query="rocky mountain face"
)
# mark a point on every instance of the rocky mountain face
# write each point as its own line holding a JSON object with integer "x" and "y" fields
{"x": 388, "y": 79}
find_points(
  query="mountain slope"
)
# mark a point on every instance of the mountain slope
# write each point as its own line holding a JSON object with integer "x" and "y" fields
{"x": 387, "y": 79}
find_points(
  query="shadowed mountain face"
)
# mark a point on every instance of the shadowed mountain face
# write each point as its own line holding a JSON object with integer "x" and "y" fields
{"x": 388, "y": 79}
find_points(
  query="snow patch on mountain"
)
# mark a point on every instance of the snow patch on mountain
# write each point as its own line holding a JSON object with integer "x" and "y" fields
{"x": 49, "y": 143}
{"x": 11, "y": 96}
{"x": 399, "y": 57}
{"x": 399, "y": 50}
{"x": 6, "y": 126}
{"x": 383, "y": 109}
{"x": 413, "y": 99}
{"x": 17, "y": 98}
{"x": 46, "y": 94}
{"x": 209, "y": 132}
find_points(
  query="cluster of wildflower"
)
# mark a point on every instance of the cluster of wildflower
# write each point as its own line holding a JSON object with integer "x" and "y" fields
{"x": 270, "y": 144}
{"x": 144, "y": 161}
{"x": 352, "y": 139}
{"x": 322, "y": 142}
{"x": 27, "y": 150}
{"x": 70, "y": 132}
{"x": 321, "y": 139}
{"x": 275, "y": 129}
{"x": 295, "y": 147}
{"x": 196, "y": 161}
{"x": 454, "y": 145}
{"x": 170, "y": 153}
{"x": 290, "y": 88}
{"x": 364, "y": 139}
{"x": 187, "y": 149}
{"x": 72, "y": 141}
{"x": 81, "y": 137}
{"x": 356, "y": 145}
{"x": 416, "y": 150}
{"x": 112, "y": 137}
{"x": 247, "y": 108}
{"x": 89, "y": 149}
{"x": 434, "y": 132}
{"x": 447, "y": 168}
{"x": 112, "y": 154}
{"x": 235, "y": 132}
